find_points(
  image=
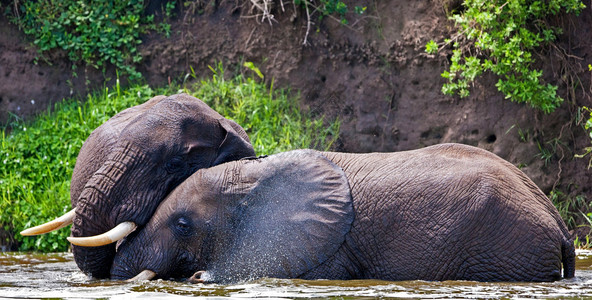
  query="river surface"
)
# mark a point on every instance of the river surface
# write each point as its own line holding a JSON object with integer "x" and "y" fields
{"x": 55, "y": 276}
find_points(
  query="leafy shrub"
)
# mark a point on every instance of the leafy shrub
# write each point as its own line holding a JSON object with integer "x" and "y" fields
{"x": 330, "y": 7}
{"x": 96, "y": 32}
{"x": 588, "y": 127}
{"x": 39, "y": 156}
{"x": 504, "y": 34}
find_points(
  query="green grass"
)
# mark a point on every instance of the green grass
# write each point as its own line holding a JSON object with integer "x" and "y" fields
{"x": 570, "y": 208}
{"x": 38, "y": 157}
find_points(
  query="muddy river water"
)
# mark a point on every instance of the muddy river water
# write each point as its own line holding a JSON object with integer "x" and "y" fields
{"x": 55, "y": 276}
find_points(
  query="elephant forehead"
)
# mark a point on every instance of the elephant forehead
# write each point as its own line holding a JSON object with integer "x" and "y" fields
{"x": 163, "y": 130}
{"x": 185, "y": 105}
{"x": 197, "y": 193}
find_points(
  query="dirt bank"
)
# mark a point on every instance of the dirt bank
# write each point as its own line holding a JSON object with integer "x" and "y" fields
{"x": 373, "y": 74}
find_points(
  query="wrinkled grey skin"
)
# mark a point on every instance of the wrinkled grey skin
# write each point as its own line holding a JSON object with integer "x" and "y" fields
{"x": 445, "y": 212}
{"x": 129, "y": 164}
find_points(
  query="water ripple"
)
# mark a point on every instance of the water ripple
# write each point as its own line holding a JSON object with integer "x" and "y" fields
{"x": 55, "y": 276}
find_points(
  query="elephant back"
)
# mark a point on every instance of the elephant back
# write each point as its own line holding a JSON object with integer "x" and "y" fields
{"x": 450, "y": 212}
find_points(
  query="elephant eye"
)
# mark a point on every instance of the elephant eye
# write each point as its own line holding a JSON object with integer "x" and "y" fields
{"x": 183, "y": 226}
{"x": 175, "y": 164}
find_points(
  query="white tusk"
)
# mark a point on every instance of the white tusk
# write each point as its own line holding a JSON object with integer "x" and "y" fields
{"x": 117, "y": 233}
{"x": 144, "y": 275}
{"x": 50, "y": 226}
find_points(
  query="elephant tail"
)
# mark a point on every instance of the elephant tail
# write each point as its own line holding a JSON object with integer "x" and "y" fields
{"x": 568, "y": 254}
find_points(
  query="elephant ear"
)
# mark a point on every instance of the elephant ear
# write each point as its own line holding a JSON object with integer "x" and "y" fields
{"x": 235, "y": 145}
{"x": 294, "y": 217}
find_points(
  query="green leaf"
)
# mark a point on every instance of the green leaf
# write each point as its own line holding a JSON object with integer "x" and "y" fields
{"x": 251, "y": 66}
{"x": 431, "y": 47}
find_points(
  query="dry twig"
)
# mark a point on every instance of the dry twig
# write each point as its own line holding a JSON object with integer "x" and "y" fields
{"x": 264, "y": 6}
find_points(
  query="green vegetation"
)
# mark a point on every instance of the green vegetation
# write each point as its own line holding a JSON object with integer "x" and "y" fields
{"x": 330, "y": 7}
{"x": 38, "y": 157}
{"x": 501, "y": 36}
{"x": 96, "y": 32}
{"x": 588, "y": 127}
{"x": 570, "y": 208}
{"x": 585, "y": 243}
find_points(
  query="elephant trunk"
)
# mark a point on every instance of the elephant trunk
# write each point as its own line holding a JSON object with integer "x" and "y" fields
{"x": 97, "y": 213}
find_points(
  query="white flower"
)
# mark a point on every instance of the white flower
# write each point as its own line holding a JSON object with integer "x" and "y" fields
{"x": 32, "y": 102}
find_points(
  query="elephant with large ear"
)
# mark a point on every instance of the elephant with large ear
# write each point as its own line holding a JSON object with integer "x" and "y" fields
{"x": 446, "y": 212}
{"x": 130, "y": 163}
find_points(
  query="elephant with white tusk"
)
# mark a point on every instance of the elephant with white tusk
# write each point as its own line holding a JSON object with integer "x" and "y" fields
{"x": 129, "y": 164}
{"x": 445, "y": 212}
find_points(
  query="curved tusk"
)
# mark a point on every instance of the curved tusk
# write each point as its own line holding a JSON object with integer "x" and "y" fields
{"x": 144, "y": 275}
{"x": 50, "y": 226}
{"x": 117, "y": 233}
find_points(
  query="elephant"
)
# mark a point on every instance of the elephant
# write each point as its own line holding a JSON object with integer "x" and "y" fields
{"x": 130, "y": 163}
{"x": 444, "y": 212}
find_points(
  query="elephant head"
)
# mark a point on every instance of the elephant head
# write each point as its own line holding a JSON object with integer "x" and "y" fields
{"x": 278, "y": 216}
{"x": 130, "y": 163}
